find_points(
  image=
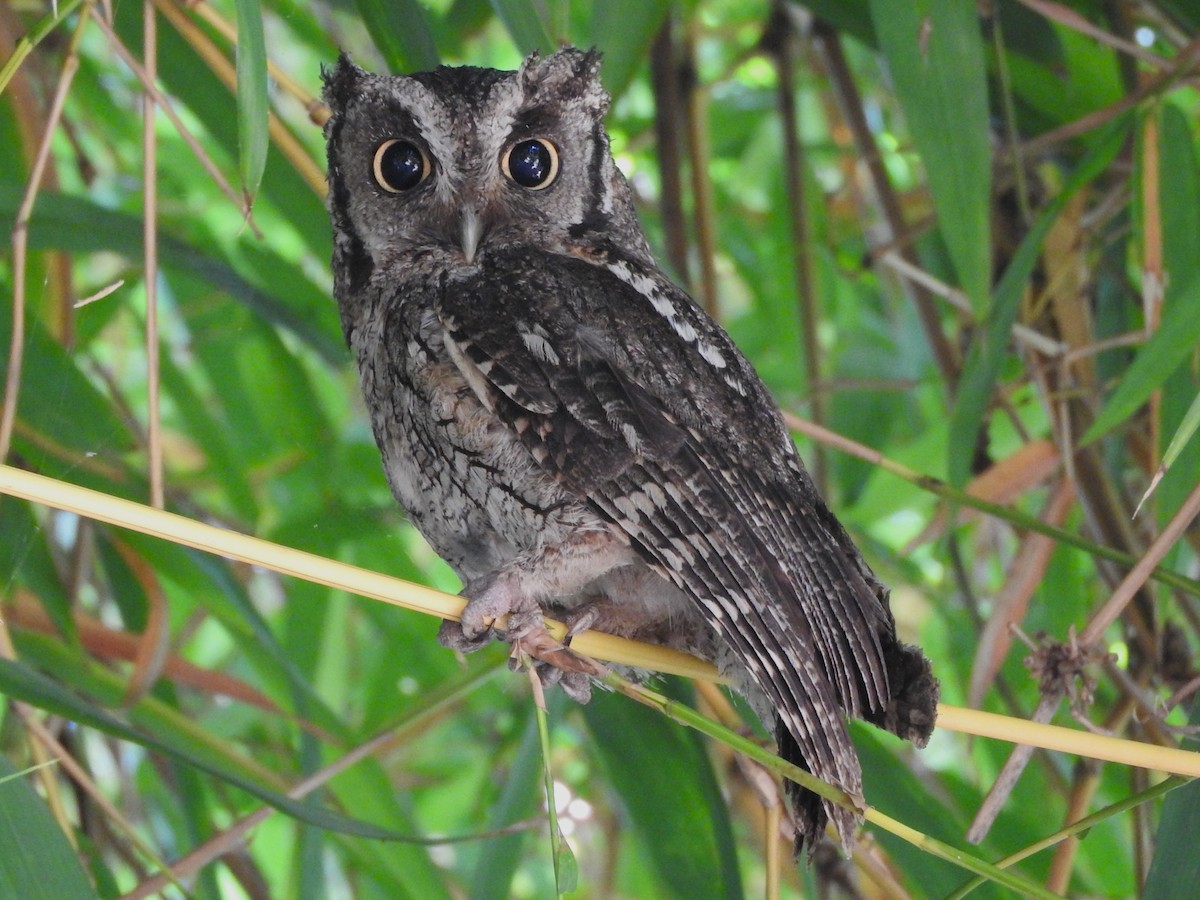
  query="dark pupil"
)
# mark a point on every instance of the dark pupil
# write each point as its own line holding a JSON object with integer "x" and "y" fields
{"x": 401, "y": 166}
{"x": 529, "y": 163}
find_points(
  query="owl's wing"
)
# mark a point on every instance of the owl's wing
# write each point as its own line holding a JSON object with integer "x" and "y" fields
{"x": 636, "y": 401}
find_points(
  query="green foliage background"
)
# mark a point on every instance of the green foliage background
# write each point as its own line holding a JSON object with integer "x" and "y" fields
{"x": 1039, "y": 171}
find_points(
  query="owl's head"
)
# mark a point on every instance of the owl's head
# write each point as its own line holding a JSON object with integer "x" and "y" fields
{"x": 455, "y": 163}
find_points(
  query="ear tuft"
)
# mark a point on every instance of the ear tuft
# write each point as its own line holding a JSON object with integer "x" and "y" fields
{"x": 570, "y": 73}
{"x": 341, "y": 82}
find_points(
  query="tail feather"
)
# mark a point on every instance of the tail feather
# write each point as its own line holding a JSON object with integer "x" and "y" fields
{"x": 912, "y": 709}
{"x": 910, "y": 714}
{"x": 810, "y": 812}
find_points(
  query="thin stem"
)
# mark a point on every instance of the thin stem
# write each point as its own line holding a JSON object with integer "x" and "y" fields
{"x": 20, "y": 238}
{"x": 150, "y": 254}
{"x": 964, "y": 498}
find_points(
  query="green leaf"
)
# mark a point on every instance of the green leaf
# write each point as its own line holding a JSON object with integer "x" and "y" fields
{"x": 665, "y": 780}
{"x": 252, "y": 110}
{"x": 36, "y": 859}
{"x": 990, "y": 345}
{"x": 75, "y": 224}
{"x": 57, "y": 400}
{"x": 22, "y": 683}
{"x": 1175, "y": 339}
{"x": 1187, "y": 428}
{"x": 935, "y": 53}
{"x": 492, "y": 874}
{"x": 851, "y": 17}
{"x": 400, "y": 30}
{"x": 1175, "y": 870}
{"x": 26, "y": 558}
{"x": 623, "y": 31}
{"x": 525, "y": 25}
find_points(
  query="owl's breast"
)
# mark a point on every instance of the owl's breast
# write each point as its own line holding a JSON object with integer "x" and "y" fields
{"x": 465, "y": 479}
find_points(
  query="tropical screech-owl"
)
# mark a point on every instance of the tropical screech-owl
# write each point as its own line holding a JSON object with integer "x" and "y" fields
{"x": 569, "y": 430}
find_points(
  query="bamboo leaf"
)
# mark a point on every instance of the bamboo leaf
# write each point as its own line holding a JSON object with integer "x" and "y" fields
{"x": 65, "y": 222}
{"x": 679, "y": 810}
{"x": 623, "y": 32}
{"x": 1159, "y": 357}
{"x": 935, "y": 53}
{"x": 36, "y": 860}
{"x": 400, "y": 30}
{"x": 525, "y": 25}
{"x": 252, "y": 108}
{"x": 22, "y": 683}
{"x": 492, "y": 875}
{"x": 1175, "y": 870}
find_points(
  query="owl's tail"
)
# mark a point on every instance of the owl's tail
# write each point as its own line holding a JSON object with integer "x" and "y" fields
{"x": 808, "y": 809}
{"x": 910, "y": 714}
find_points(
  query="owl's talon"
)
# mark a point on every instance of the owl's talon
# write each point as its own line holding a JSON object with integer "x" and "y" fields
{"x": 555, "y": 664}
{"x": 452, "y": 637}
{"x": 580, "y": 620}
{"x": 575, "y": 685}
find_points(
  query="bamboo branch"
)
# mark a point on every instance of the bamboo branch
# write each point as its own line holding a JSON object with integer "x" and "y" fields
{"x": 376, "y": 586}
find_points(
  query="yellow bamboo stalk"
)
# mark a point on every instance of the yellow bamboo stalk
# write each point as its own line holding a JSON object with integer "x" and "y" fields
{"x": 331, "y": 573}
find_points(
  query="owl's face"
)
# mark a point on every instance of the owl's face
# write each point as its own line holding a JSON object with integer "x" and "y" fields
{"x": 459, "y": 162}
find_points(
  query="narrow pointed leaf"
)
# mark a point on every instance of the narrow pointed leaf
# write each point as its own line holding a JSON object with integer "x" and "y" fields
{"x": 36, "y": 859}
{"x": 400, "y": 30}
{"x": 666, "y": 782}
{"x": 934, "y": 50}
{"x": 524, "y": 22}
{"x": 22, "y": 683}
{"x": 253, "y": 138}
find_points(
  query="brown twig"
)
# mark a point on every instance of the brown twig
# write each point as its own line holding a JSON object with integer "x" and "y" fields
{"x": 664, "y": 77}
{"x": 702, "y": 189}
{"x": 1068, "y": 18}
{"x": 1186, "y": 60}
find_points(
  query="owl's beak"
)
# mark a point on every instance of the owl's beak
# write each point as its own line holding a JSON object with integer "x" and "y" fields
{"x": 470, "y": 230}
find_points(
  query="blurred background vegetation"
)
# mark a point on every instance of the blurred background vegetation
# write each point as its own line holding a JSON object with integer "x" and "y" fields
{"x": 965, "y": 236}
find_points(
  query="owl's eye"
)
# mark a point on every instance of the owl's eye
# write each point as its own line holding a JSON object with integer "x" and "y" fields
{"x": 532, "y": 164}
{"x": 399, "y": 166}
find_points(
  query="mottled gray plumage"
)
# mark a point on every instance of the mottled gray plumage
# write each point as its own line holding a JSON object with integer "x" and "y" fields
{"x": 568, "y": 430}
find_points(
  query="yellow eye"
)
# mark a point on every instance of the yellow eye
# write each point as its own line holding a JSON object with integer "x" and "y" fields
{"x": 399, "y": 166}
{"x": 532, "y": 164}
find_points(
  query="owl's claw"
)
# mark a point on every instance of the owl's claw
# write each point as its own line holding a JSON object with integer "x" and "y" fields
{"x": 576, "y": 685}
{"x": 494, "y": 596}
{"x": 580, "y": 620}
{"x": 452, "y": 637}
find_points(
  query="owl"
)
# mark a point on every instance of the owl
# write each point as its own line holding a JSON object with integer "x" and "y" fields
{"x": 570, "y": 432}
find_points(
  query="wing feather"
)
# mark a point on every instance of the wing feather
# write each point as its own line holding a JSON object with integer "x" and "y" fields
{"x": 641, "y": 405}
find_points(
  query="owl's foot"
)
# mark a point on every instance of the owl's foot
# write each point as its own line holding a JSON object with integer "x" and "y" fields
{"x": 493, "y": 596}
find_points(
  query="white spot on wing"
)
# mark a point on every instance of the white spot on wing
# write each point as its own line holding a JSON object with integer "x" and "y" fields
{"x": 712, "y": 355}
{"x": 631, "y": 437}
{"x": 684, "y": 329}
{"x": 540, "y": 347}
